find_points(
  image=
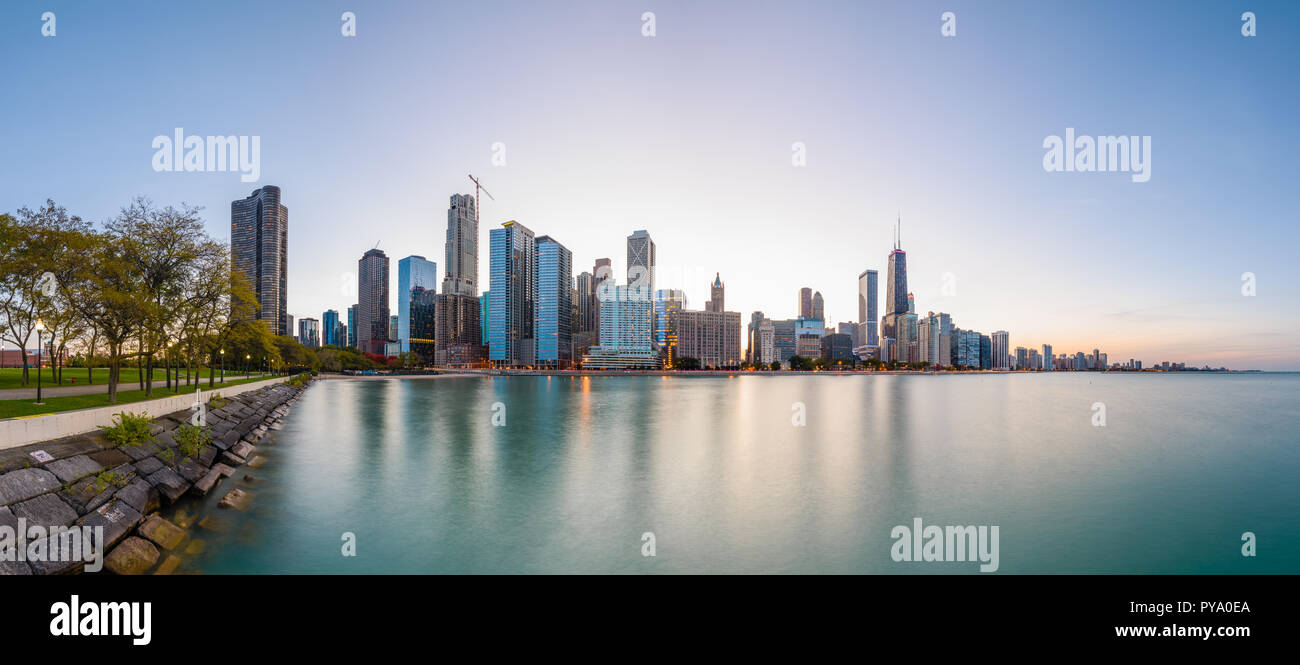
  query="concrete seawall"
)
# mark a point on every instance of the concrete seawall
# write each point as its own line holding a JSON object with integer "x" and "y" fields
{"x": 22, "y": 431}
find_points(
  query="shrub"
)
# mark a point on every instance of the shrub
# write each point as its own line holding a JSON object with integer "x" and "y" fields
{"x": 217, "y": 401}
{"x": 191, "y": 440}
{"x": 128, "y": 429}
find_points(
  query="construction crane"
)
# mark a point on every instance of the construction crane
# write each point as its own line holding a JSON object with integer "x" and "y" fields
{"x": 477, "y": 201}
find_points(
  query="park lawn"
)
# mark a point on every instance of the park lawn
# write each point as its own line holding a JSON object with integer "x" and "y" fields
{"x": 12, "y": 377}
{"x": 15, "y": 408}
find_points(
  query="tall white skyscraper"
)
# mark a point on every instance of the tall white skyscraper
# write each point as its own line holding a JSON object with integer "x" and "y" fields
{"x": 462, "y": 247}
{"x": 868, "y": 313}
{"x": 1001, "y": 348}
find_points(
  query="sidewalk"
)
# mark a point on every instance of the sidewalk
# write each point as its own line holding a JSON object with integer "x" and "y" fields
{"x": 83, "y": 389}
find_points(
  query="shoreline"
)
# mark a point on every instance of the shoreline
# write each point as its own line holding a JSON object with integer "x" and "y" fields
{"x": 467, "y": 373}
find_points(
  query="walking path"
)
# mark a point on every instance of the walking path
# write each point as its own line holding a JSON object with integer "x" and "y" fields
{"x": 91, "y": 389}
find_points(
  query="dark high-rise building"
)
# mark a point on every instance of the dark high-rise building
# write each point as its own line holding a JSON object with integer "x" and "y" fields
{"x": 372, "y": 308}
{"x": 585, "y": 301}
{"x": 805, "y": 303}
{"x": 818, "y": 306}
{"x": 461, "y": 276}
{"x": 259, "y": 249}
{"x": 352, "y": 326}
{"x": 422, "y": 328}
{"x": 641, "y": 263}
{"x": 896, "y": 297}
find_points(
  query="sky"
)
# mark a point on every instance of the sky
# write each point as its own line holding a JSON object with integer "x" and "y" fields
{"x": 690, "y": 134}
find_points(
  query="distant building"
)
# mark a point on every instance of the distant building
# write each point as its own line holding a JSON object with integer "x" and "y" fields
{"x": 352, "y": 326}
{"x": 392, "y": 328}
{"x": 330, "y": 327}
{"x": 805, "y": 303}
{"x": 625, "y": 330}
{"x": 372, "y": 305}
{"x": 1001, "y": 355}
{"x": 412, "y": 272}
{"x": 1048, "y": 358}
{"x": 459, "y": 340}
{"x": 818, "y": 306}
{"x": 309, "y": 332}
{"x": 669, "y": 304}
{"x": 422, "y": 326}
{"x": 554, "y": 310}
{"x": 837, "y": 347}
{"x": 868, "y": 314}
{"x": 259, "y": 250}
{"x": 461, "y": 263}
{"x": 513, "y": 300}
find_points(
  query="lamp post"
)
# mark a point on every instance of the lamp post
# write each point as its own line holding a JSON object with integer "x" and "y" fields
{"x": 167, "y": 364}
{"x": 40, "y": 328}
{"x": 246, "y": 364}
{"x": 223, "y": 365}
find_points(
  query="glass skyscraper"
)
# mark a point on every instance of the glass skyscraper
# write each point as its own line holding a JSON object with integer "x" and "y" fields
{"x": 412, "y": 272}
{"x": 513, "y": 285}
{"x": 372, "y": 308}
{"x": 330, "y": 327}
{"x": 868, "y": 313}
{"x": 554, "y": 311}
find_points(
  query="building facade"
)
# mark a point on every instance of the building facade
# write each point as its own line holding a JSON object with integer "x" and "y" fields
{"x": 259, "y": 250}
{"x": 372, "y": 305}
{"x": 412, "y": 272}
{"x": 554, "y": 310}
{"x": 513, "y": 296}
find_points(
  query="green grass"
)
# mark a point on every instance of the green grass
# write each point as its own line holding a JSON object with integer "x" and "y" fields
{"x": 14, "y": 408}
{"x": 12, "y": 377}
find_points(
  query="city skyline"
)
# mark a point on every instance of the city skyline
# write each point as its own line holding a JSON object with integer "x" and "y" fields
{"x": 1078, "y": 261}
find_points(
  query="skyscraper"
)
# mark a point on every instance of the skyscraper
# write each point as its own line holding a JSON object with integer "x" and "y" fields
{"x": 513, "y": 282}
{"x": 330, "y": 327}
{"x": 641, "y": 264}
{"x": 818, "y": 306}
{"x": 412, "y": 272}
{"x": 896, "y": 296}
{"x": 1048, "y": 358}
{"x": 625, "y": 331}
{"x": 711, "y": 336}
{"x": 259, "y": 249}
{"x": 669, "y": 304}
{"x": 554, "y": 311}
{"x": 805, "y": 303}
{"x": 1001, "y": 349}
{"x": 372, "y": 308}
{"x": 461, "y": 265}
{"x": 422, "y": 326}
{"x": 309, "y": 332}
{"x": 352, "y": 326}
{"x": 868, "y": 313}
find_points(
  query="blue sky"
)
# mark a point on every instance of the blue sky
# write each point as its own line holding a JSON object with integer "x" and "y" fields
{"x": 688, "y": 134}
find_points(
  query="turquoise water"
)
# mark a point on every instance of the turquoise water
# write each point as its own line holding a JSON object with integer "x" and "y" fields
{"x": 715, "y": 469}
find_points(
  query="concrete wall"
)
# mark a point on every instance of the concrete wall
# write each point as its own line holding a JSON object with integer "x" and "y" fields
{"x": 16, "y": 432}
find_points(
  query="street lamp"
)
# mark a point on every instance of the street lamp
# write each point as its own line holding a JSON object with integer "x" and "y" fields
{"x": 40, "y": 328}
{"x": 246, "y": 364}
{"x": 167, "y": 365}
{"x": 223, "y": 365}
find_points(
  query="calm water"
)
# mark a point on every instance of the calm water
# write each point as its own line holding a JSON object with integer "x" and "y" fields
{"x": 715, "y": 469}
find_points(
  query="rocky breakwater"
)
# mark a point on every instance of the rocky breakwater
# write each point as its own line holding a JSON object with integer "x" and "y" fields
{"x": 87, "y": 481}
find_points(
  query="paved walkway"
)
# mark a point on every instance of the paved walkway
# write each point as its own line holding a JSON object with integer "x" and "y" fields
{"x": 95, "y": 388}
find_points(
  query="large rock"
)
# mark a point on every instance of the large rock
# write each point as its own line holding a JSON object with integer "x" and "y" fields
{"x": 46, "y": 510}
{"x": 73, "y": 468}
{"x": 231, "y": 459}
{"x": 140, "y": 495}
{"x": 237, "y": 499}
{"x": 242, "y": 449}
{"x": 168, "y": 483}
{"x": 118, "y": 519}
{"x": 148, "y": 465}
{"x": 225, "y": 470}
{"x": 190, "y": 470}
{"x": 24, "y": 484}
{"x": 137, "y": 453}
{"x": 163, "y": 533}
{"x": 111, "y": 458}
{"x": 13, "y": 568}
{"x": 88, "y": 494}
{"x": 207, "y": 482}
{"x": 169, "y": 565}
{"x": 134, "y": 556}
